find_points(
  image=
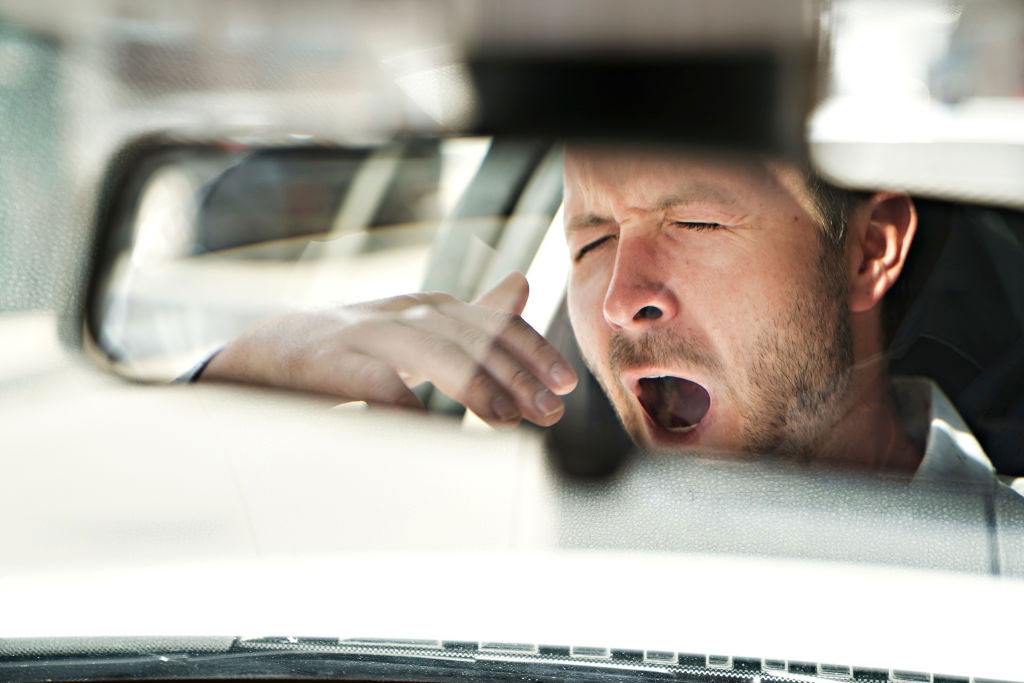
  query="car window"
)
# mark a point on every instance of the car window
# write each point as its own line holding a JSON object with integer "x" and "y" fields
{"x": 30, "y": 101}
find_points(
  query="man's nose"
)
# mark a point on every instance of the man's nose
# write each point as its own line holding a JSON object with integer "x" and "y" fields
{"x": 639, "y": 295}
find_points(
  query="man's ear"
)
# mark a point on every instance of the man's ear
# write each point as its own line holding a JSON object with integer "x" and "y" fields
{"x": 879, "y": 233}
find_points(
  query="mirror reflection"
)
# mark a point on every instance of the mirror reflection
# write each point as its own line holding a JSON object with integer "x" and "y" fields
{"x": 668, "y": 299}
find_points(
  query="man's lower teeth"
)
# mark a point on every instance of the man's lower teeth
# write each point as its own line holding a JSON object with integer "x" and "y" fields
{"x": 681, "y": 430}
{"x": 665, "y": 420}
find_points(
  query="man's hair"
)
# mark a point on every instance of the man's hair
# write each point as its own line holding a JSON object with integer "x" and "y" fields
{"x": 834, "y": 205}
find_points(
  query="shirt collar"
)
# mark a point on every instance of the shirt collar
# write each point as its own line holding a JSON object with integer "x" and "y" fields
{"x": 951, "y": 452}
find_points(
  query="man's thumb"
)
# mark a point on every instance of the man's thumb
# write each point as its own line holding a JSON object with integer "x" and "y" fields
{"x": 509, "y": 295}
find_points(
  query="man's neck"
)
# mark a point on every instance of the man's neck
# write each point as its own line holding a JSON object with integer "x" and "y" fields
{"x": 870, "y": 434}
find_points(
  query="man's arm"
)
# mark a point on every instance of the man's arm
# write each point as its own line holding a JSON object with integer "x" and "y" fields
{"x": 482, "y": 354}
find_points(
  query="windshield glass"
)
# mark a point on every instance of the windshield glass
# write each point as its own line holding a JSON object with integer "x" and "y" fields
{"x": 471, "y": 337}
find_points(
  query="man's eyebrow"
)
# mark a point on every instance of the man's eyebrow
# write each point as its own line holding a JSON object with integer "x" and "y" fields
{"x": 696, "y": 195}
{"x": 589, "y": 220}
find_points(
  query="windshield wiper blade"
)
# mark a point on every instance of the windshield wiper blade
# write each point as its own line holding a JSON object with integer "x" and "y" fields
{"x": 421, "y": 660}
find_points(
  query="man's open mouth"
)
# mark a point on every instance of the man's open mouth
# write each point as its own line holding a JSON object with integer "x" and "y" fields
{"x": 675, "y": 404}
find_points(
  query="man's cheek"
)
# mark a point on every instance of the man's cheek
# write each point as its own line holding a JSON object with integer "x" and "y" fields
{"x": 586, "y": 324}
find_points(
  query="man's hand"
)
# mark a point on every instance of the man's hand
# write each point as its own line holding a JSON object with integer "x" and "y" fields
{"x": 483, "y": 354}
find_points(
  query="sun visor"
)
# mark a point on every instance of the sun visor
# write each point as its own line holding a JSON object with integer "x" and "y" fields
{"x": 750, "y": 100}
{"x": 740, "y": 75}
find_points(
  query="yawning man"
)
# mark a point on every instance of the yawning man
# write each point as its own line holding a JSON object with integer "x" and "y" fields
{"x": 731, "y": 305}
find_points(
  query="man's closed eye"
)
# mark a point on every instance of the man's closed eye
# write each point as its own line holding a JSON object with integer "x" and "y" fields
{"x": 591, "y": 245}
{"x": 697, "y": 225}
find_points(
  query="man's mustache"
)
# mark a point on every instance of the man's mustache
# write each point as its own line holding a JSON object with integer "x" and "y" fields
{"x": 661, "y": 348}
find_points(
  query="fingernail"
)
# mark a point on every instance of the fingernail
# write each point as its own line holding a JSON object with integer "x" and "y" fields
{"x": 546, "y": 402}
{"x": 504, "y": 409}
{"x": 560, "y": 375}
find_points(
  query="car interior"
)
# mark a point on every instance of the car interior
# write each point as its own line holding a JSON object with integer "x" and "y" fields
{"x": 173, "y": 174}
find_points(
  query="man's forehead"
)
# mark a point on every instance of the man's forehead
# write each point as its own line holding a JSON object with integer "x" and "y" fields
{"x": 604, "y": 175}
{"x": 602, "y": 179}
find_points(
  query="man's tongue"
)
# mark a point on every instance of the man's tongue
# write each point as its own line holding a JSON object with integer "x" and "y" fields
{"x": 674, "y": 403}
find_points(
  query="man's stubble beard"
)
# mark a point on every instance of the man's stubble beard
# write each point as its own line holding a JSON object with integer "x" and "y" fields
{"x": 801, "y": 370}
{"x": 804, "y": 376}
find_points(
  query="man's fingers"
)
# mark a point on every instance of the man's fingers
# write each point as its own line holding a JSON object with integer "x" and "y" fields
{"x": 497, "y": 314}
{"x": 444, "y": 362}
{"x": 365, "y": 378}
{"x": 509, "y": 295}
{"x": 537, "y": 402}
{"x": 526, "y": 344}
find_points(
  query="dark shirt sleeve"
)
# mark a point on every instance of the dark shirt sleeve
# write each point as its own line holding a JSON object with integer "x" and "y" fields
{"x": 193, "y": 373}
